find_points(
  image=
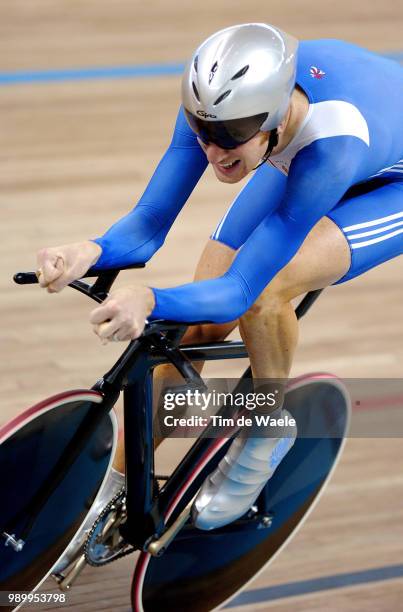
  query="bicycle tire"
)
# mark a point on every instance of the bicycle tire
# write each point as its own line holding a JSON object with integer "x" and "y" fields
{"x": 209, "y": 568}
{"x": 30, "y": 444}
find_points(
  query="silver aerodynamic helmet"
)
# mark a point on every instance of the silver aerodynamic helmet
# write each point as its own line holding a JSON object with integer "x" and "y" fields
{"x": 238, "y": 82}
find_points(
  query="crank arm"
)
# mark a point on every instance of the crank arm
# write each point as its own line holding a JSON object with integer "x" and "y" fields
{"x": 158, "y": 547}
{"x": 65, "y": 581}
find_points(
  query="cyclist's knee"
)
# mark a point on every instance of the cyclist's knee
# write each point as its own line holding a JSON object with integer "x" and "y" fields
{"x": 268, "y": 304}
{"x": 277, "y": 296}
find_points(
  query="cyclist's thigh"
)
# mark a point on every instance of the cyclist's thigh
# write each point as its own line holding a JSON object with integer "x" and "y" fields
{"x": 259, "y": 197}
{"x": 214, "y": 261}
{"x": 371, "y": 219}
{"x": 322, "y": 259}
{"x": 362, "y": 231}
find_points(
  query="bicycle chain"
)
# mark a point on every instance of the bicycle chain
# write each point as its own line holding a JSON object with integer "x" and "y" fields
{"x": 100, "y": 517}
{"x": 107, "y": 508}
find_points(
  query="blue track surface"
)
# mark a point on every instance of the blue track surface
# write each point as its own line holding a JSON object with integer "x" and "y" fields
{"x": 90, "y": 73}
{"x": 107, "y": 72}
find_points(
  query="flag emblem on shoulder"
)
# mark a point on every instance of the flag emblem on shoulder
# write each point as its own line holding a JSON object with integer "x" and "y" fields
{"x": 317, "y": 73}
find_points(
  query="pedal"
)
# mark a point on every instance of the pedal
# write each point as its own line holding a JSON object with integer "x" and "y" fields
{"x": 64, "y": 581}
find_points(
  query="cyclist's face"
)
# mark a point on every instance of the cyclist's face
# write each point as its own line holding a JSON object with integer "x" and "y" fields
{"x": 232, "y": 165}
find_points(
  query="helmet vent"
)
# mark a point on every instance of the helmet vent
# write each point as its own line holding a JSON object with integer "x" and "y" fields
{"x": 240, "y": 73}
{"x": 222, "y": 97}
{"x": 196, "y": 93}
{"x": 196, "y": 62}
{"x": 212, "y": 72}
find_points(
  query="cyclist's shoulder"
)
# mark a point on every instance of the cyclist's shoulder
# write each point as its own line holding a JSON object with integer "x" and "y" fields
{"x": 337, "y": 56}
{"x": 330, "y": 119}
{"x": 334, "y": 69}
{"x": 332, "y": 134}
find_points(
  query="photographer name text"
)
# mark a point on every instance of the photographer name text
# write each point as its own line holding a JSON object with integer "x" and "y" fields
{"x": 219, "y": 421}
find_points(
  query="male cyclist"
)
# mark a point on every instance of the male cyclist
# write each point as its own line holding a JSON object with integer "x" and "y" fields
{"x": 321, "y": 127}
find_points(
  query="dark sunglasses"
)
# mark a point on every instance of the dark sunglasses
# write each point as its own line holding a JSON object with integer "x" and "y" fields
{"x": 226, "y": 134}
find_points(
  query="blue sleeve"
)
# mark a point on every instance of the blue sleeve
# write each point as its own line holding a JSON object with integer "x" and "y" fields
{"x": 260, "y": 196}
{"x": 319, "y": 176}
{"x": 137, "y": 236}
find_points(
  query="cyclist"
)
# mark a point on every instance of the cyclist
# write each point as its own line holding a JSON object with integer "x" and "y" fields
{"x": 319, "y": 125}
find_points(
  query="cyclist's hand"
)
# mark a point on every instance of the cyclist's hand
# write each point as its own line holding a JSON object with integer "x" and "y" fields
{"x": 122, "y": 316}
{"x": 59, "y": 266}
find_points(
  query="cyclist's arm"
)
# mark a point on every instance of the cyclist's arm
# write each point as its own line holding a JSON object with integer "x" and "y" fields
{"x": 319, "y": 176}
{"x": 260, "y": 197}
{"x": 137, "y": 236}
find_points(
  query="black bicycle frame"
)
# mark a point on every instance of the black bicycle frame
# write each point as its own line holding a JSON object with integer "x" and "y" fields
{"x": 133, "y": 373}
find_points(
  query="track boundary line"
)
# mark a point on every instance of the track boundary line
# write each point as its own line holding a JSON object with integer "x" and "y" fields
{"x": 89, "y": 73}
{"x": 315, "y": 585}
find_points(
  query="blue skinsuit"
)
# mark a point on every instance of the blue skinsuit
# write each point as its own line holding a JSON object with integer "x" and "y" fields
{"x": 351, "y": 137}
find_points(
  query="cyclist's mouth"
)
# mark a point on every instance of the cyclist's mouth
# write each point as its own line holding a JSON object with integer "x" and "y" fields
{"x": 229, "y": 167}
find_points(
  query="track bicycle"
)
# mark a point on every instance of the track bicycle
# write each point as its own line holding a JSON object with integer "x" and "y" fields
{"x": 55, "y": 456}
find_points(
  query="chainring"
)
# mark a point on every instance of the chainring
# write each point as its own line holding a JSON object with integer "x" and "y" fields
{"x": 104, "y": 543}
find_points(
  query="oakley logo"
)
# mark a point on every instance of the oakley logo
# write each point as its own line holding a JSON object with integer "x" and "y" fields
{"x": 202, "y": 113}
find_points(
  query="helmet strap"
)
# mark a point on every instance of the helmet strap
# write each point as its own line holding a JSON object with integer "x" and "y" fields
{"x": 273, "y": 142}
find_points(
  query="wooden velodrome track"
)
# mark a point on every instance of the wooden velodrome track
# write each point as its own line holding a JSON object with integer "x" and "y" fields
{"x": 76, "y": 154}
